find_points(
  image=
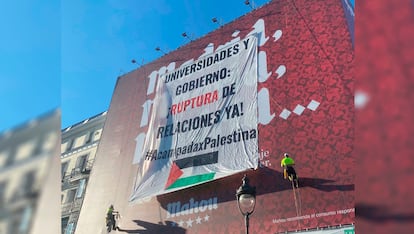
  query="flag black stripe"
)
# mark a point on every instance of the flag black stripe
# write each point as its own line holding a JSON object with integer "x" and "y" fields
{"x": 198, "y": 160}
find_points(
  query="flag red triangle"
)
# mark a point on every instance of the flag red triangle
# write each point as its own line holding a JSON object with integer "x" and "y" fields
{"x": 175, "y": 173}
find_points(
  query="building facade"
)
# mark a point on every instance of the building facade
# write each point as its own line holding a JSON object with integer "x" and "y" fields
{"x": 78, "y": 149}
{"x": 304, "y": 99}
{"x": 29, "y": 184}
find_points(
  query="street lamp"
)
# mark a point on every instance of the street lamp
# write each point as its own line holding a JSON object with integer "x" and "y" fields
{"x": 246, "y": 200}
{"x": 250, "y": 4}
{"x": 135, "y": 62}
{"x": 185, "y": 35}
{"x": 159, "y": 49}
{"x": 217, "y": 21}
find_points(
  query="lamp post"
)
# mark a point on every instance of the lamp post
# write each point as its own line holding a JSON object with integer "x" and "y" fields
{"x": 184, "y": 34}
{"x": 159, "y": 49}
{"x": 135, "y": 62}
{"x": 246, "y": 200}
{"x": 250, "y": 4}
{"x": 217, "y": 21}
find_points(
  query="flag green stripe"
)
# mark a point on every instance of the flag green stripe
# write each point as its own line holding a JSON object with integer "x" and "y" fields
{"x": 192, "y": 180}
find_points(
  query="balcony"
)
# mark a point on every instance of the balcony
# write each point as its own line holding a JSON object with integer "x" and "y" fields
{"x": 22, "y": 198}
{"x": 71, "y": 180}
{"x": 68, "y": 183}
{"x": 88, "y": 167}
{"x": 71, "y": 207}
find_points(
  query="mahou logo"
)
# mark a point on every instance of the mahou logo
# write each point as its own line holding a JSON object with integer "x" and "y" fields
{"x": 191, "y": 213}
{"x": 175, "y": 209}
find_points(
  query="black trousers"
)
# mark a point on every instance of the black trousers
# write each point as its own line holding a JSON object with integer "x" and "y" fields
{"x": 112, "y": 217}
{"x": 291, "y": 172}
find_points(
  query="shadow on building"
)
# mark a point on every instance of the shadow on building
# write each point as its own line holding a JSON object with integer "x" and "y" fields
{"x": 264, "y": 179}
{"x": 147, "y": 227}
{"x": 381, "y": 213}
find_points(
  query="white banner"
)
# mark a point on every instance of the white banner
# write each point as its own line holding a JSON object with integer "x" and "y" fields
{"x": 203, "y": 124}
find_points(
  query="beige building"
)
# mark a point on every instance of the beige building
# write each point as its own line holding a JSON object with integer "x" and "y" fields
{"x": 29, "y": 176}
{"x": 78, "y": 149}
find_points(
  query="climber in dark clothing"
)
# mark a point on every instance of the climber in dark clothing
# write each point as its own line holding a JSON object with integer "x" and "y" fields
{"x": 289, "y": 172}
{"x": 110, "y": 216}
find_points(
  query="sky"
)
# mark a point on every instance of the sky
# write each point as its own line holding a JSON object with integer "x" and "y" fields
{"x": 100, "y": 38}
{"x": 29, "y": 60}
{"x": 68, "y": 54}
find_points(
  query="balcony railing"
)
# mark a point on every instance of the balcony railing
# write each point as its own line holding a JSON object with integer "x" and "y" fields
{"x": 69, "y": 180}
{"x": 68, "y": 183}
{"x": 71, "y": 207}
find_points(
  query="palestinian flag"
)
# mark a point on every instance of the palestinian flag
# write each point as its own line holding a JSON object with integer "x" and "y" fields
{"x": 178, "y": 178}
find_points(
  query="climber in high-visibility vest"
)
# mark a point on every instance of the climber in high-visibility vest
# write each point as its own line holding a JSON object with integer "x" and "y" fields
{"x": 288, "y": 171}
{"x": 110, "y": 216}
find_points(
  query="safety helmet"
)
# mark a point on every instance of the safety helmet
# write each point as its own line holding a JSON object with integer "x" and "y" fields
{"x": 286, "y": 155}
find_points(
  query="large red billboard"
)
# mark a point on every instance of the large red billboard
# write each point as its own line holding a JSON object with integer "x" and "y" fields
{"x": 305, "y": 107}
{"x": 384, "y": 126}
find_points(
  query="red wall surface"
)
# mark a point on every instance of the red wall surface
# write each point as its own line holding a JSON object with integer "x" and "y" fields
{"x": 384, "y": 116}
{"x": 310, "y": 39}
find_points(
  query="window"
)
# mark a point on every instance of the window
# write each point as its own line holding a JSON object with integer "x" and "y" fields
{"x": 69, "y": 229}
{"x": 69, "y": 145}
{"x": 11, "y": 158}
{"x": 81, "y": 163}
{"x": 25, "y": 220}
{"x": 26, "y": 185}
{"x": 25, "y": 150}
{"x": 3, "y": 158}
{"x": 3, "y": 185}
{"x": 50, "y": 141}
{"x": 28, "y": 180}
{"x": 14, "y": 222}
{"x": 81, "y": 188}
{"x": 79, "y": 141}
{"x": 97, "y": 135}
{"x": 63, "y": 147}
{"x": 70, "y": 196}
{"x": 89, "y": 137}
{"x": 64, "y": 223}
{"x": 64, "y": 168}
{"x": 38, "y": 148}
